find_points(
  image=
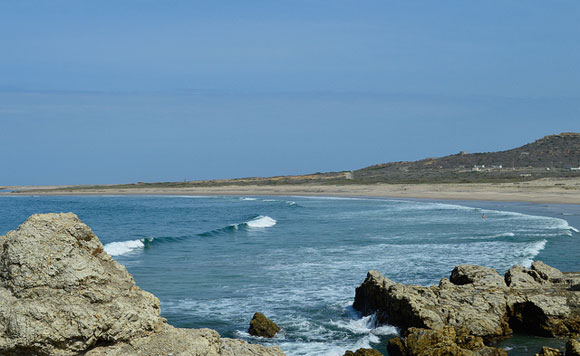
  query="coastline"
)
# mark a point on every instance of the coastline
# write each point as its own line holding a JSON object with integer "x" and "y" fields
{"x": 551, "y": 254}
{"x": 545, "y": 191}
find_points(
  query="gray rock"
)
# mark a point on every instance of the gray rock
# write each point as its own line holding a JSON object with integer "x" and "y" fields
{"x": 546, "y": 272}
{"x": 538, "y": 301}
{"x": 185, "y": 342}
{"x": 477, "y": 276}
{"x": 63, "y": 295}
{"x": 521, "y": 277}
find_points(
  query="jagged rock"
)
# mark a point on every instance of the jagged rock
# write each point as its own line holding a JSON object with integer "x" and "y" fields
{"x": 573, "y": 348}
{"x": 546, "y": 272}
{"x": 262, "y": 326}
{"x": 396, "y": 347}
{"x": 540, "y": 301}
{"x": 446, "y": 341}
{"x": 63, "y": 295}
{"x": 364, "y": 352}
{"x": 482, "y": 312}
{"x": 521, "y": 277}
{"x": 549, "y": 351}
{"x": 476, "y": 276}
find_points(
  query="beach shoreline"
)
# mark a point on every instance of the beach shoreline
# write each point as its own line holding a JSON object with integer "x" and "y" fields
{"x": 543, "y": 191}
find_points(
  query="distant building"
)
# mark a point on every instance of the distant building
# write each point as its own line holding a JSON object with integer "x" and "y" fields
{"x": 497, "y": 166}
{"x": 575, "y": 168}
{"x": 462, "y": 153}
{"x": 477, "y": 167}
{"x": 525, "y": 175}
{"x": 348, "y": 175}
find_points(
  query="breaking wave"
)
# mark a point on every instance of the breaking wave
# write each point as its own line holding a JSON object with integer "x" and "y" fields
{"x": 119, "y": 248}
{"x": 257, "y": 223}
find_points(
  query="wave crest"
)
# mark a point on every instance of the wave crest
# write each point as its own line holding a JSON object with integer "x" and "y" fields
{"x": 119, "y": 248}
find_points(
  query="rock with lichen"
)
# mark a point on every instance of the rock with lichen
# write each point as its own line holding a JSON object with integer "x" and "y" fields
{"x": 261, "y": 326}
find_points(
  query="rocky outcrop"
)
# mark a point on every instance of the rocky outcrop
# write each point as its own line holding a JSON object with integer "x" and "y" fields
{"x": 549, "y": 351}
{"x": 262, "y": 326}
{"x": 573, "y": 348}
{"x": 363, "y": 352}
{"x": 446, "y": 341}
{"x": 63, "y": 295}
{"x": 541, "y": 301}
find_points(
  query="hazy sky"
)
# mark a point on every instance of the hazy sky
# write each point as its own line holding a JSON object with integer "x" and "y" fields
{"x": 143, "y": 90}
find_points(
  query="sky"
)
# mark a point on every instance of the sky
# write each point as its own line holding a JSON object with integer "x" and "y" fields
{"x": 98, "y": 92}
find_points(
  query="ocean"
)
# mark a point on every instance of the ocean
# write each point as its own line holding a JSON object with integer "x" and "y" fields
{"x": 214, "y": 261}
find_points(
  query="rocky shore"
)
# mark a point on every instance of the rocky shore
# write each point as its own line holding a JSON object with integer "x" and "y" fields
{"x": 474, "y": 306}
{"x": 63, "y": 295}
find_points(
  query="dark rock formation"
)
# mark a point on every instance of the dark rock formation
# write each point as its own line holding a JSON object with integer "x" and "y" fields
{"x": 446, "y": 341}
{"x": 573, "y": 348}
{"x": 262, "y": 326}
{"x": 363, "y": 352}
{"x": 61, "y": 294}
{"x": 549, "y": 351}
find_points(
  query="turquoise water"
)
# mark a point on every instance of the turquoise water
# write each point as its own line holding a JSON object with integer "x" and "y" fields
{"x": 214, "y": 261}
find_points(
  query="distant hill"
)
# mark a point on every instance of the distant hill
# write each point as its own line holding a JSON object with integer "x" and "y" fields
{"x": 552, "y": 155}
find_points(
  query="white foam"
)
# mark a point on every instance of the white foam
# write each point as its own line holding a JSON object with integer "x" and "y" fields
{"x": 248, "y": 198}
{"x": 365, "y": 325}
{"x": 123, "y": 247}
{"x": 261, "y": 222}
{"x": 532, "y": 251}
{"x": 505, "y": 234}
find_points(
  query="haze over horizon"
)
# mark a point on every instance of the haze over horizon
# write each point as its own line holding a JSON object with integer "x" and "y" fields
{"x": 108, "y": 92}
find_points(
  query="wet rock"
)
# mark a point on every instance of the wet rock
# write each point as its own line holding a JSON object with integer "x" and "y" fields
{"x": 262, "y": 326}
{"x": 445, "y": 341}
{"x": 364, "y": 352}
{"x": 549, "y": 351}
{"x": 573, "y": 348}
{"x": 63, "y": 295}
{"x": 396, "y": 347}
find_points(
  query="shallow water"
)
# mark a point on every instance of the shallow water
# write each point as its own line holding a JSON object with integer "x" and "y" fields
{"x": 214, "y": 261}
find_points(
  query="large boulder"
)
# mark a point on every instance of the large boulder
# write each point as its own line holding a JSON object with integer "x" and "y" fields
{"x": 261, "y": 326}
{"x": 482, "y": 312}
{"x": 477, "y": 276}
{"x": 541, "y": 301}
{"x": 62, "y": 295}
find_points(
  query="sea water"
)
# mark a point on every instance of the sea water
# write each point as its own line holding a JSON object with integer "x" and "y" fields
{"x": 214, "y": 261}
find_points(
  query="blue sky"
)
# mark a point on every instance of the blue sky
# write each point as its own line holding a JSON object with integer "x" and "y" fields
{"x": 139, "y": 90}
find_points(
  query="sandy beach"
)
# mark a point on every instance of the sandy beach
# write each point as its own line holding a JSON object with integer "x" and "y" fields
{"x": 555, "y": 191}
